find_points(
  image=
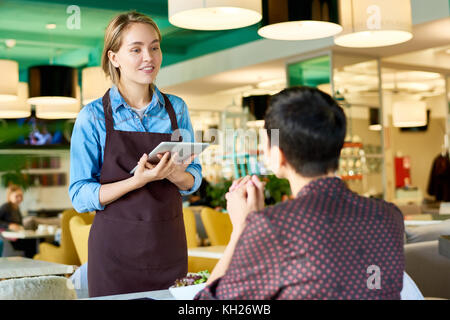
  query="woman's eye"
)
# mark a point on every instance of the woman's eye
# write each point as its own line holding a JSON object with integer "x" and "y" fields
{"x": 135, "y": 50}
{"x": 155, "y": 49}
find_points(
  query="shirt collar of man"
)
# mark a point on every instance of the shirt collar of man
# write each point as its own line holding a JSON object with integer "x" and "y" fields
{"x": 332, "y": 186}
{"x": 118, "y": 101}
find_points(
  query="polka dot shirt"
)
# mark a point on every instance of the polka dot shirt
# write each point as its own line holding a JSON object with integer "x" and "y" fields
{"x": 327, "y": 243}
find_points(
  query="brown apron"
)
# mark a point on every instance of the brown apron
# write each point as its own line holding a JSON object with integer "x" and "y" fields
{"x": 138, "y": 242}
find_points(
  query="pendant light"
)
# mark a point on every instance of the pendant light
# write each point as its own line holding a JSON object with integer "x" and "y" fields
{"x": 18, "y": 108}
{"x": 59, "y": 111}
{"x": 51, "y": 84}
{"x": 9, "y": 81}
{"x": 94, "y": 84}
{"x": 370, "y": 23}
{"x": 299, "y": 20}
{"x": 406, "y": 114}
{"x": 214, "y": 14}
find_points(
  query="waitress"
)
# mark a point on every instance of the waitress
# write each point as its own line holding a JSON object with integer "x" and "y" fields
{"x": 137, "y": 241}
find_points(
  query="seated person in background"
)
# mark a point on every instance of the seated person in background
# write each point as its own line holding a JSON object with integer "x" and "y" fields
{"x": 327, "y": 243}
{"x": 11, "y": 219}
{"x": 10, "y": 216}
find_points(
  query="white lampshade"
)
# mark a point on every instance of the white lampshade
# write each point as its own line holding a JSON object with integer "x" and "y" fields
{"x": 59, "y": 111}
{"x": 9, "y": 80}
{"x": 369, "y": 23}
{"x": 214, "y": 14}
{"x": 299, "y": 20}
{"x": 18, "y": 108}
{"x": 94, "y": 84}
{"x": 409, "y": 114}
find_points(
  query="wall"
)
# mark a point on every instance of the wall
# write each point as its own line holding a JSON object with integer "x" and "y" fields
{"x": 49, "y": 197}
{"x": 422, "y": 147}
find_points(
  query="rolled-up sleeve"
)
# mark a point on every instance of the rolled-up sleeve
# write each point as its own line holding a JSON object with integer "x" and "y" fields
{"x": 195, "y": 167}
{"x": 85, "y": 163}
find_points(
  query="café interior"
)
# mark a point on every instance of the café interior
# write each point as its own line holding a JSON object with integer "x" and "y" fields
{"x": 394, "y": 88}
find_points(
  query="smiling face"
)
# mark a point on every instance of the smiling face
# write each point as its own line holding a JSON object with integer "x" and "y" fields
{"x": 16, "y": 197}
{"x": 139, "y": 57}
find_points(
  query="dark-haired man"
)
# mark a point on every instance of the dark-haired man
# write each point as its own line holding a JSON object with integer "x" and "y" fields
{"x": 327, "y": 243}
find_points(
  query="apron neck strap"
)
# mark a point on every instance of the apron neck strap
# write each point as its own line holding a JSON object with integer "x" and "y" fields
{"x": 109, "y": 122}
{"x": 171, "y": 112}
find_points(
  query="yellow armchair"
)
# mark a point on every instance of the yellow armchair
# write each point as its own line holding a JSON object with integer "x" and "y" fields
{"x": 65, "y": 253}
{"x": 217, "y": 225}
{"x": 195, "y": 264}
{"x": 80, "y": 226}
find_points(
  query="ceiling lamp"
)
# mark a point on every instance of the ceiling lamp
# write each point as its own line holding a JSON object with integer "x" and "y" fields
{"x": 18, "y": 108}
{"x": 299, "y": 20}
{"x": 9, "y": 81}
{"x": 214, "y": 14}
{"x": 57, "y": 111}
{"x": 94, "y": 84}
{"x": 407, "y": 114}
{"x": 369, "y": 23}
{"x": 51, "y": 84}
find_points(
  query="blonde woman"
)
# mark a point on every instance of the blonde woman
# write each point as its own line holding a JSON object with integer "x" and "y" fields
{"x": 137, "y": 241}
{"x": 10, "y": 215}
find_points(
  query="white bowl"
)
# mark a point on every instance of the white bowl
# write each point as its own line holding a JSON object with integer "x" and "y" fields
{"x": 187, "y": 292}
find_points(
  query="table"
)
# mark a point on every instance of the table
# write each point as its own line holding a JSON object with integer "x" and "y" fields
{"x": 19, "y": 267}
{"x": 214, "y": 252}
{"x": 26, "y": 234}
{"x": 156, "y": 295}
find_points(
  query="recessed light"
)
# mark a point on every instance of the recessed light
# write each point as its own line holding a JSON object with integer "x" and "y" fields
{"x": 10, "y": 43}
{"x": 447, "y": 51}
{"x": 50, "y": 26}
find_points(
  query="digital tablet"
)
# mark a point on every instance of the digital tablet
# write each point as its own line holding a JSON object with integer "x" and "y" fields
{"x": 184, "y": 150}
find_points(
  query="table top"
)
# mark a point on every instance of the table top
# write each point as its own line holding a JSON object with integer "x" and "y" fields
{"x": 214, "y": 252}
{"x": 156, "y": 295}
{"x": 26, "y": 234}
{"x": 18, "y": 267}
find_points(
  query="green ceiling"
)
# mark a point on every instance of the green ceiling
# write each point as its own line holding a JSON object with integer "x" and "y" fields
{"x": 25, "y": 20}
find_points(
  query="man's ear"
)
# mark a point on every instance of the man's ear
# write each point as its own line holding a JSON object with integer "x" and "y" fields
{"x": 113, "y": 58}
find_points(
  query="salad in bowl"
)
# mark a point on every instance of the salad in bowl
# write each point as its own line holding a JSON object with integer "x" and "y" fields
{"x": 187, "y": 287}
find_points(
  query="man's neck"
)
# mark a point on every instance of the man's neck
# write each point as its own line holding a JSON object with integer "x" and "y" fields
{"x": 136, "y": 95}
{"x": 297, "y": 181}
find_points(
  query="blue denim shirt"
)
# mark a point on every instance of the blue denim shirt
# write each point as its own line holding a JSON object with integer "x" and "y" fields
{"x": 88, "y": 142}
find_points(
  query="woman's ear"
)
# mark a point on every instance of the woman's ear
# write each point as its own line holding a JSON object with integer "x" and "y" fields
{"x": 113, "y": 58}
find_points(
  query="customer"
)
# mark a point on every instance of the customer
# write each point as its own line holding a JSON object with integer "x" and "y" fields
{"x": 327, "y": 243}
{"x": 11, "y": 219}
{"x": 137, "y": 241}
{"x": 10, "y": 215}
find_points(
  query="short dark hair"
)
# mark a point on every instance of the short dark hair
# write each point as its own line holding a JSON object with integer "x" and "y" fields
{"x": 312, "y": 129}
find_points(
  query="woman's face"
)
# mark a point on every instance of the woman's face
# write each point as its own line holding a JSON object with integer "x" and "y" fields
{"x": 139, "y": 58}
{"x": 16, "y": 197}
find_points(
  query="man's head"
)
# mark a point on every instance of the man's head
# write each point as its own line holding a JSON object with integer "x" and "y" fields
{"x": 312, "y": 129}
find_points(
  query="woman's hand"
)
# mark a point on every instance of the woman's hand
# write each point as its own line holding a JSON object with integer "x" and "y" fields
{"x": 244, "y": 196}
{"x": 179, "y": 168}
{"x": 147, "y": 172}
{"x": 15, "y": 227}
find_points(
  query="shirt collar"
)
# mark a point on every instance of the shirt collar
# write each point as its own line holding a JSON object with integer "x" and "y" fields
{"x": 118, "y": 101}
{"x": 328, "y": 185}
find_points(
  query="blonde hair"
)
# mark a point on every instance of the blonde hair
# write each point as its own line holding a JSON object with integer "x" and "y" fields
{"x": 113, "y": 39}
{"x": 10, "y": 190}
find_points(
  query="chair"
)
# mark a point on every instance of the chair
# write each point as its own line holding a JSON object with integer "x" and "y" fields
{"x": 195, "y": 264}
{"x": 65, "y": 253}
{"x": 429, "y": 270}
{"x": 217, "y": 225}
{"x": 37, "y": 288}
{"x": 79, "y": 226}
